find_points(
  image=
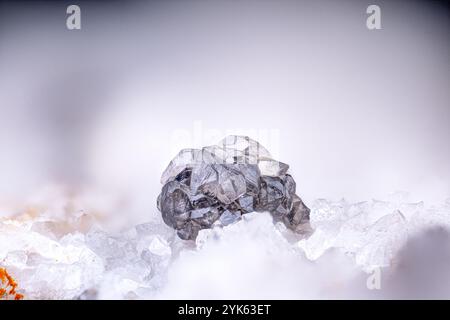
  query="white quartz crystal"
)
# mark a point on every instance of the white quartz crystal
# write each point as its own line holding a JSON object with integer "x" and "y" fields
{"x": 70, "y": 256}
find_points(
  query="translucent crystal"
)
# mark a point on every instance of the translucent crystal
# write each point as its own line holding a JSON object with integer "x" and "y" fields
{"x": 383, "y": 240}
{"x": 371, "y": 232}
{"x": 241, "y": 255}
{"x": 233, "y": 178}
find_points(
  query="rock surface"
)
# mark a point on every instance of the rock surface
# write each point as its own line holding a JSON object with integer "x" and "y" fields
{"x": 59, "y": 252}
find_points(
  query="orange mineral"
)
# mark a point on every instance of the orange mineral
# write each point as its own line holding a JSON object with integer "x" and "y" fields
{"x": 8, "y": 286}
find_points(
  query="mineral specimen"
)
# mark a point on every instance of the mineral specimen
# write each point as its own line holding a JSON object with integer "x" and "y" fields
{"x": 8, "y": 287}
{"x": 40, "y": 258}
{"x": 218, "y": 184}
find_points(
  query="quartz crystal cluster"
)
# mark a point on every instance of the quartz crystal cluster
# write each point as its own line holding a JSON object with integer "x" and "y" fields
{"x": 220, "y": 183}
{"x": 60, "y": 249}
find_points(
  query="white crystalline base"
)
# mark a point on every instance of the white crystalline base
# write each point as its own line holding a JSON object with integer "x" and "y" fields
{"x": 72, "y": 258}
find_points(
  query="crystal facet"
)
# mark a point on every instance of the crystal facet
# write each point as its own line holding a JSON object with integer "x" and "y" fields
{"x": 222, "y": 182}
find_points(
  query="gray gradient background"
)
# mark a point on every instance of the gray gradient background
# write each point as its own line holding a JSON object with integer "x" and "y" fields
{"x": 359, "y": 113}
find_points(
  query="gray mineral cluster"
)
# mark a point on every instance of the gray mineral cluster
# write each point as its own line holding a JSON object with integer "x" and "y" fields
{"x": 220, "y": 183}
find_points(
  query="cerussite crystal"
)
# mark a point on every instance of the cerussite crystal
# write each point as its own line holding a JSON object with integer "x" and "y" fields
{"x": 222, "y": 182}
